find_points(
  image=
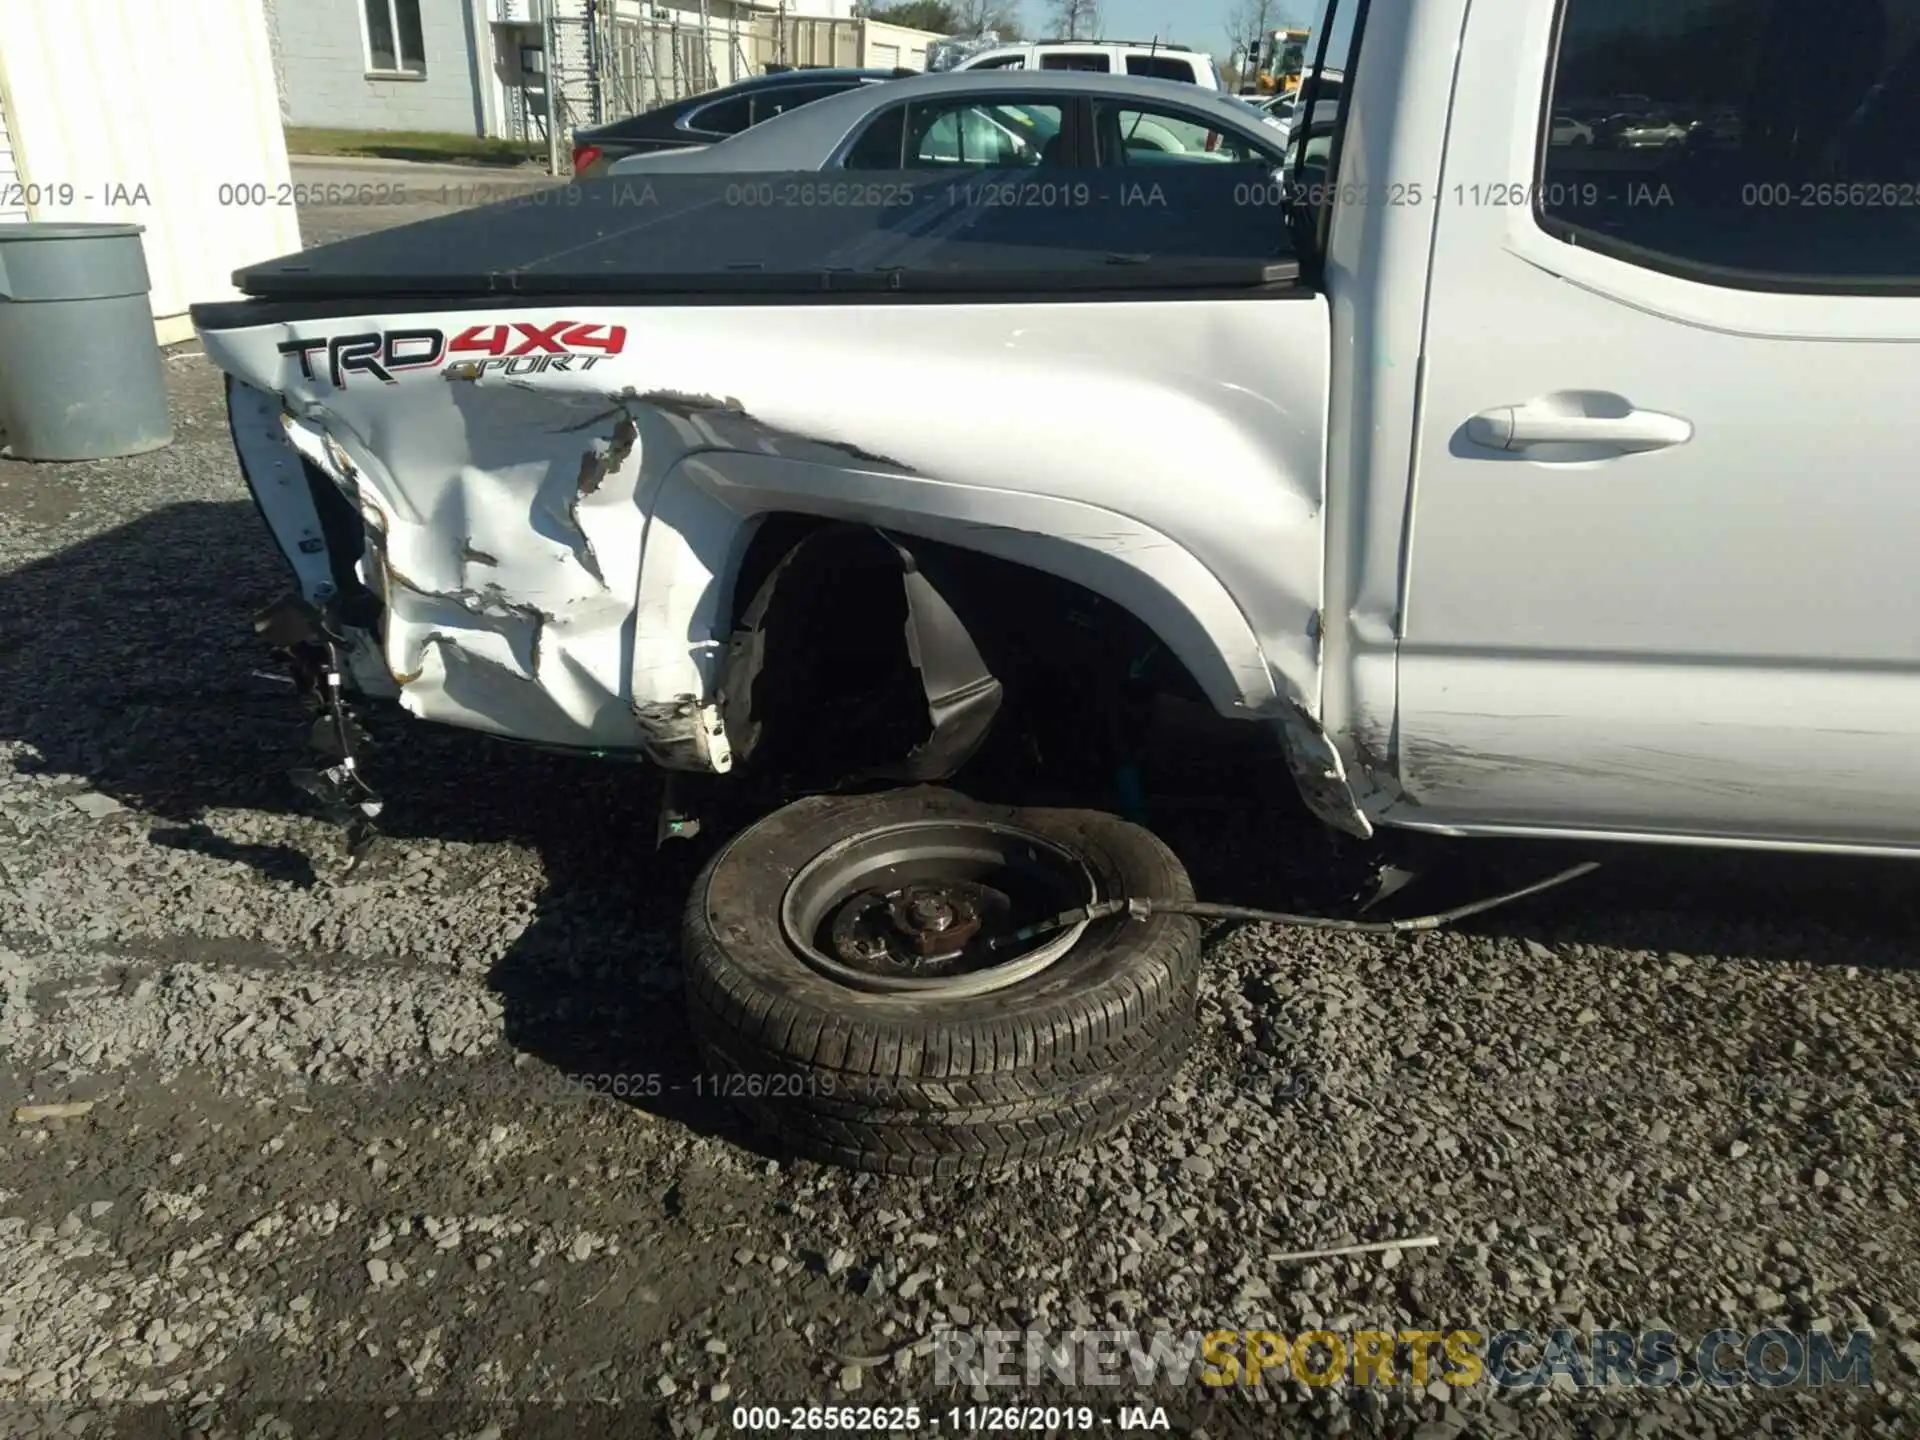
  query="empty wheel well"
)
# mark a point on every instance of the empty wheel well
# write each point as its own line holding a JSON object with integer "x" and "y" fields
{"x": 835, "y": 690}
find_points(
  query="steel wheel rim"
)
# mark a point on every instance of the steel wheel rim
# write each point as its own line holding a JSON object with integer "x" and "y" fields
{"x": 958, "y": 860}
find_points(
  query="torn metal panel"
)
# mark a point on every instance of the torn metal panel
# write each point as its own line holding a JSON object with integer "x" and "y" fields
{"x": 279, "y": 483}
{"x": 962, "y": 695}
{"x": 497, "y": 561}
{"x": 673, "y": 402}
{"x": 687, "y": 734}
{"x": 1321, "y": 775}
{"x": 1167, "y": 458}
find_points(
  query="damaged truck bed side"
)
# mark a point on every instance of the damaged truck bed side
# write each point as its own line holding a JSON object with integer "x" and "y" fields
{"x": 523, "y": 453}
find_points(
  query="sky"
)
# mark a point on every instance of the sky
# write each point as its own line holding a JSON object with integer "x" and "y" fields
{"x": 1199, "y": 23}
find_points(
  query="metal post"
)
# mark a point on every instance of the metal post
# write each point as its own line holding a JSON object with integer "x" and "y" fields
{"x": 709, "y": 73}
{"x": 595, "y": 58}
{"x": 552, "y": 42}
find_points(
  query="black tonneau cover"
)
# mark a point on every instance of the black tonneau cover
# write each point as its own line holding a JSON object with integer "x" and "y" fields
{"x": 1149, "y": 227}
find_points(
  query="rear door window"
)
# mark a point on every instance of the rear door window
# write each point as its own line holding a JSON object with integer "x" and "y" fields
{"x": 983, "y": 135}
{"x": 1148, "y": 135}
{"x": 882, "y": 144}
{"x": 1163, "y": 67}
{"x": 1714, "y": 138}
{"x": 1005, "y": 62}
{"x": 963, "y": 134}
{"x": 725, "y": 117}
{"x": 1093, "y": 62}
{"x": 1327, "y": 87}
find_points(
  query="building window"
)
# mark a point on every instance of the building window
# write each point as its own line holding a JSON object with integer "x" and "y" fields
{"x": 394, "y": 46}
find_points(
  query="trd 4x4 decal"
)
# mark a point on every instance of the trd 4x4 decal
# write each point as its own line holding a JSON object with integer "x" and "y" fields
{"x": 517, "y": 347}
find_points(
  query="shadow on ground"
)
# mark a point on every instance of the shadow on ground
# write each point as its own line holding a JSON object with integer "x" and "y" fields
{"x": 129, "y": 659}
{"x": 425, "y": 155}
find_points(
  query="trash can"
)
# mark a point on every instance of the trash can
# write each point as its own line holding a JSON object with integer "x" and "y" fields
{"x": 80, "y": 367}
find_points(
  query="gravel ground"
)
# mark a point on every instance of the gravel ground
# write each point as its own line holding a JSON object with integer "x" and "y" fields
{"x": 334, "y": 1171}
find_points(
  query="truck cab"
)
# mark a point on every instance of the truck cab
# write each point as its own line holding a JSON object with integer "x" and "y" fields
{"x": 1603, "y": 555}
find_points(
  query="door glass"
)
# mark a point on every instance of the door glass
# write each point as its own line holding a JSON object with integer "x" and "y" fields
{"x": 1162, "y": 67}
{"x": 1094, "y": 63}
{"x": 729, "y": 117}
{"x": 979, "y": 135}
{"x": 1134, "y": 135}
{"x": 1724, "y": 139}
{"x": 881, "y": 143}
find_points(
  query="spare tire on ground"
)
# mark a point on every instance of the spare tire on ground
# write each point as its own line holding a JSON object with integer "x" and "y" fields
{"x": 844, "y": 990}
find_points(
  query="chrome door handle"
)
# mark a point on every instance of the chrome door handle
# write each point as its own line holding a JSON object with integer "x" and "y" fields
{"x": 1561, "y": 420}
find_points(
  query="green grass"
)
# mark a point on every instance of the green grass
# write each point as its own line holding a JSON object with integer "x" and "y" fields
{"x": 424, "y": 145}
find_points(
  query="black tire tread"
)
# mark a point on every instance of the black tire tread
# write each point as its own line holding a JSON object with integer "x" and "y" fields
{"x": 916, "y": 1088}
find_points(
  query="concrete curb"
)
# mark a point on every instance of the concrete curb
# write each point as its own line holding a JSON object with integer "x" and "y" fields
{"x": 528, "y": 171}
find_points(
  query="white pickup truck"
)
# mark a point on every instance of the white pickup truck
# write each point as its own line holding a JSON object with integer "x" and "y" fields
{"x": 1512, "y": 487}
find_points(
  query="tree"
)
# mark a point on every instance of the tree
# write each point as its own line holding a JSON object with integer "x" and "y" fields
{"x": 935, "y": 15}
{"x": 1076, "y": 19}
{"x": 1248, "y": 19}
{"x": 977, "y": 17}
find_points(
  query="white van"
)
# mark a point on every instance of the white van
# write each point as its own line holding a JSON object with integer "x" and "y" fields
{"x": 1156, "y": 61}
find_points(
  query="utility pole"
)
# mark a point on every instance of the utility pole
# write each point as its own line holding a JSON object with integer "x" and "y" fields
{"x": 594, "y": 60}
{"x": 552, "y": 57}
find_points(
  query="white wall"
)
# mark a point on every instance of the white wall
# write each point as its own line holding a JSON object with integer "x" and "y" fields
{"x": 155, "y": 121}
{"x": 13, "y": 205}
{"x": 897, "y": 45}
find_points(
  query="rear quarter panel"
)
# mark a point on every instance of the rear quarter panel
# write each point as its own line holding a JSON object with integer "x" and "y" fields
{"x": 557, "y": 541}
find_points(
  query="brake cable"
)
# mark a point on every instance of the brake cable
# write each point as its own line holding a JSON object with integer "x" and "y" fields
{"x": 1145, "y": 909}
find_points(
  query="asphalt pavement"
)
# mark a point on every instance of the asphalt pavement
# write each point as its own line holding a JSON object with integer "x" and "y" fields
{"x": 342, "y": 198}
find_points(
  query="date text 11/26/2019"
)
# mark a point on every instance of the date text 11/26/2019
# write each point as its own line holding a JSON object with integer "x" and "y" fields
{"x": 956, "y": 1419}
{"x": 736, "y": 1086}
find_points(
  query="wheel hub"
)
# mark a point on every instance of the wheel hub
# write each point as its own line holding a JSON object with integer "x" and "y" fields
{"x": 914, "y": 908}
{"x": 921, "y": 922}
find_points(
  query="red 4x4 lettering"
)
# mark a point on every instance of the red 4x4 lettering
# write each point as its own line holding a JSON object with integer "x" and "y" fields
{"x": 486, "y": 339}
{"x": 541, "y": 338}
{"x": 584, "y": 337}
{"x": 559, "y": 338}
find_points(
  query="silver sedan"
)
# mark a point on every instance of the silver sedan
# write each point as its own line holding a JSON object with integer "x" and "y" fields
{"x": 992, "y": 120}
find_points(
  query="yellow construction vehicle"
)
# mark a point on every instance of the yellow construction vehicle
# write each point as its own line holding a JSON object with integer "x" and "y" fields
{"x": 1274, "y": 63}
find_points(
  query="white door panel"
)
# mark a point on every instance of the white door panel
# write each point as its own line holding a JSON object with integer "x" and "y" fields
{"x": 1697, "y": 610}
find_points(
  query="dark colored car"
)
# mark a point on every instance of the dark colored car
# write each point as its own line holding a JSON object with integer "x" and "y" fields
{"x": 706, "y": 118}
